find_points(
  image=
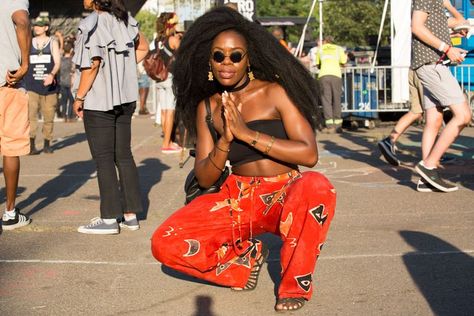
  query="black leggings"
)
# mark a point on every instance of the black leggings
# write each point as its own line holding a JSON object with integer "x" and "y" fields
{"x": 109, "y": 135}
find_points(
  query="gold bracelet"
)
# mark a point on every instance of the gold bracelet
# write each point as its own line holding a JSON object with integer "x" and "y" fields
{"x": 223, "y": 150}
{"x": 254, "y": 142}
{"x": 269, "y": 146}
{"x": 214, "y": 164}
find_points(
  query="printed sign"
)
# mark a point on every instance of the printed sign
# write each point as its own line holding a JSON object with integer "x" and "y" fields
{"x": 246, "y": 7}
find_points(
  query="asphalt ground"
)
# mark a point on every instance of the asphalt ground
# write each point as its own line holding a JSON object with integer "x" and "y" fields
{"x": 390, "y": 251}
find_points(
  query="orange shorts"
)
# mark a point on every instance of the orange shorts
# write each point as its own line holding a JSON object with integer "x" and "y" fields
{"x": 14, "y": 123}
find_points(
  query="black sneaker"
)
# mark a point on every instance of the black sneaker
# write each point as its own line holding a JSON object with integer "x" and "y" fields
{"x": 19, "y": 220}
{"x": 388, "y": 151}
{"x": 432, "y": 177}
{"x": 423, "y": 186}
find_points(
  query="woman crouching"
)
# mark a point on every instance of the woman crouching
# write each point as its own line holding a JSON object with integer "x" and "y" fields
{"x": 262, "y": 102}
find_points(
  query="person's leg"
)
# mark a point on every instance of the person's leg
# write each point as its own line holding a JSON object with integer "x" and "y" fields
{"x": 14, "y": 142}
{"x": 336, "y": 85}
{"x": 433, "y": 123}
{"x": 70, "y": 102}
{"x": 461, "y": 117}
{"x": 200, "y": 240}
{"x": 304, "y": 225}
{"x": 33, "y": 110}
{"x": 326, "y": 101}
{"x": 143, "y": 92}
{"x": 48, "y": 109}
{"x": 128, "y": 173}
{"x": 403, "y": 123}
{"x": 168, "y": 120}
{"x": 100, "y": 132}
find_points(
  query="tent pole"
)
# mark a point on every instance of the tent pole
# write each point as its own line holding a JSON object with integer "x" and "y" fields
{"x": 299, "y": 48}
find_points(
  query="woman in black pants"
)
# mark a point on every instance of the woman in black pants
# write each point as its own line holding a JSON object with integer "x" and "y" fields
{"x": 107, "y": 49}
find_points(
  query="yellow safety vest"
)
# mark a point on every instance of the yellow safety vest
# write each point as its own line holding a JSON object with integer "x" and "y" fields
{"x": 330, "y": 58}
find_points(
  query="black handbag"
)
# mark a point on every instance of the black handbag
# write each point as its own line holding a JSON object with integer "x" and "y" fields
{"x": 191, "y": 185}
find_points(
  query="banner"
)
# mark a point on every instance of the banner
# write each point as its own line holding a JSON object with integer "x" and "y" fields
{"x": 246, "y": 7}
{"x": 401, "y": 49}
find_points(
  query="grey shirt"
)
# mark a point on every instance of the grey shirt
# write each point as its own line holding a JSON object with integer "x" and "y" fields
{"x": 10, "y": 54}
{"x": 437, "y": 23}
{"x": 102, "y": 36}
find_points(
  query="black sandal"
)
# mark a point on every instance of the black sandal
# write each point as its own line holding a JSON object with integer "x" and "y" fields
{"x": 289, "y": 304}
{"x": 253, "y": 277}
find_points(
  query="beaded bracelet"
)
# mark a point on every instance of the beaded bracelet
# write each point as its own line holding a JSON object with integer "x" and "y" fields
{"x": 269, "y": 146}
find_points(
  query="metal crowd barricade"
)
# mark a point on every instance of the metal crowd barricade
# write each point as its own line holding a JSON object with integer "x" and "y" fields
{"x": 366, "y": 94}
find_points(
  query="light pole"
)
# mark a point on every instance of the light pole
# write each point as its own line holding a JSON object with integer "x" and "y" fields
{"x": 320, "y": 22}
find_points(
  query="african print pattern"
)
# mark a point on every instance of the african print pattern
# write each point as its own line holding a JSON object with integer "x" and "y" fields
{"x": 212, "y": 238}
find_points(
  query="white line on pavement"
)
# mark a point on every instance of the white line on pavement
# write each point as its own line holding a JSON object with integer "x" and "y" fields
{"x": 342, "y": 257}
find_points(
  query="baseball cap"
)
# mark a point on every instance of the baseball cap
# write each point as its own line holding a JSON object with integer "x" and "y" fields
{"x": 41, "y": 21}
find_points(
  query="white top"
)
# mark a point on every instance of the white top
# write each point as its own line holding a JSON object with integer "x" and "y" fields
{"x": 104, "y": 36}
{"x": 10, "y": 54}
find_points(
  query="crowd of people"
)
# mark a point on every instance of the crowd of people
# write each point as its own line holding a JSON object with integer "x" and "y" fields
{"x": 248, "y": 105}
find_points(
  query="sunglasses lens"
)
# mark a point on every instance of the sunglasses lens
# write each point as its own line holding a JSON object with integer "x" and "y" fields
{"x": 218, "y": 56}
{"x": 236, "y": 57}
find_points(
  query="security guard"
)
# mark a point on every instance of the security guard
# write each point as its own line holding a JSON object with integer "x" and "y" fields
{"x": 330, "y": 58}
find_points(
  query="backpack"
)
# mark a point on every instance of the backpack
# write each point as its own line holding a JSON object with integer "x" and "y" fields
{"x": 155, "y": 66}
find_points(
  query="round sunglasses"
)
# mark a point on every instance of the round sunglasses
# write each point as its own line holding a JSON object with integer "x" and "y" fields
{"x": 235, "y": 57}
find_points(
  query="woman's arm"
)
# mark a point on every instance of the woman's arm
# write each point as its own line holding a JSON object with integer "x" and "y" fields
{"x": 88, "y": 76}
{"x": 141, "y": 47}
{"x": 210, "y": 159}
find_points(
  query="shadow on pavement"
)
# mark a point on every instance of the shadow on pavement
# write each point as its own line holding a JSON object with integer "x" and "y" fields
{"x": 371, "y": 156}
{"x": 71, "y": 178}
{"x": 203, "y": 306}
{"x": 442, "y": 272}
{"x": 69, "y": 141}
{"x": 3, "y": 193}
{"x": 150, "y": 171}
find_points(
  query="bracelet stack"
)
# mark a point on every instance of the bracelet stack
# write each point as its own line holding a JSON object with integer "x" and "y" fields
{"x": 269, "y": 145}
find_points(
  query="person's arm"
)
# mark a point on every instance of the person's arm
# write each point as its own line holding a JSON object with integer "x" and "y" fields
{"x": 23, "y": 34}
{"x": 342, "y": 57}
{"x": 420, "y": 30}
{"x": 55, "y": 52}
{"x": 300, "y": 147}
{"x": 210, "y": 158}
{"x": 141, "y": 47}
{"x": 457, "y": 18}
{"x": 88, "y": 76}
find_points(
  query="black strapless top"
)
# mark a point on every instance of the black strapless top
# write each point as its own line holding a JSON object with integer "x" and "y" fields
{"x": 241, "y": 152}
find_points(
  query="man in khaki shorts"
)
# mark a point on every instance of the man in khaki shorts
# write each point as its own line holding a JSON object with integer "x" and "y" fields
{"x": 430, "y": 47}
{"x": 15, "y": 39}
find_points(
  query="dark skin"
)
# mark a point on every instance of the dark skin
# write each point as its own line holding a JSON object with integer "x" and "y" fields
{"x": 11, "y": 165}
{"x": 260, "y": 100}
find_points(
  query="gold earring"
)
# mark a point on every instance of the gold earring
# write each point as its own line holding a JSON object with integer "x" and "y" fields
{"x": 210, "y": 76}
{"x": 250, "y": 74}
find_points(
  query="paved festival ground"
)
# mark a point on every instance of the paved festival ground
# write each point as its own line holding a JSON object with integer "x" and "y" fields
{"x": 391, "y": 250}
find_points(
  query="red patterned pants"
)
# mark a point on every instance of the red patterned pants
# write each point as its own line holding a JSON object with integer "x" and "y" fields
{"x": 211, "y": 238}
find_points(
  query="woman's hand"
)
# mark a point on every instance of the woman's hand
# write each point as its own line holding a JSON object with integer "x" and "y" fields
{"x": 233, "y": 124}
{"x": 78, "y": 108}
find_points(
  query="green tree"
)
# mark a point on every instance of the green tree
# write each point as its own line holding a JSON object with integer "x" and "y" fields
{"x": 350, "y": 22}
{"x": 147, "y": 20}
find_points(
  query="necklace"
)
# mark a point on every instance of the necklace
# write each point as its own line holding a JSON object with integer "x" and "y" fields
{"x": 241, "y": 87}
